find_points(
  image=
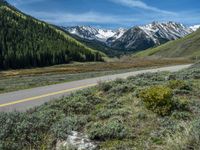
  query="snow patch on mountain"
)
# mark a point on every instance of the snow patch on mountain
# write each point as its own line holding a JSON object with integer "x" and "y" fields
{"x": 169, "y": 30}
{"x": 105, "y": 34}
{"x": 195, "y": 27}
{"x": 156, "y": 33}
{"x": 92, "y": 33}
{"x": 137, "y": 37}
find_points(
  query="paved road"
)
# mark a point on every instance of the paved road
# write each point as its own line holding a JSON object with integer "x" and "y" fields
{"x": 26, "y": 99}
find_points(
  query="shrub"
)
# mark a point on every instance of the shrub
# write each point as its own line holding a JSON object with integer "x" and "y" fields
{"x": 119, "y": 81}
{"x": 105, "y": 86}
{"x": 179, "y": 84}
{"x": 158, "y": 99}
{"x": 176, "y": 84}
{"x": 62, "y": 128}
{"x": 111, "y": 129}
{"x": 114, "y": 103}
{"x": 2, "y": 89}
{"x": 23, "y": 131}
{"x": 187, "y": 137}
{"x": 107, "y": 113}
{"x": 184, "y": 115}
{"x": 181, "y": 103}
{"x": 122, "y": 88}
{"x": 77, "y": 104}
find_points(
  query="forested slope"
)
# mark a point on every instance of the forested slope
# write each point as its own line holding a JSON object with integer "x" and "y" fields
{"x": 27, "y": 42}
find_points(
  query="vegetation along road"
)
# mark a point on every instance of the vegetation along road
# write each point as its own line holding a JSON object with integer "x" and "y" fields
{"x": 26, "y": 99}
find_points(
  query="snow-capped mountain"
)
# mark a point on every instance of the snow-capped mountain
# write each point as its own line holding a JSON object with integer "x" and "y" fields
{"x": 143, "y": 37}
{"x": 135, "y": 38}
{"x": 195, "y": 27}
{"x": 92, "y": 33}
{"x": 118, "y": 33}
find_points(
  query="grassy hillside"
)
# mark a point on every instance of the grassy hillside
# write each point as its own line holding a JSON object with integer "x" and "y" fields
{"x": 150, "y": 111}
{"x": 188, "y": 46}
{"x": 27, "y": 42}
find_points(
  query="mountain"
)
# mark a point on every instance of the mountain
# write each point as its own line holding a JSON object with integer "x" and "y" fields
{"x": 195, "y": 27}
{"x": 151, "y": 35}
{"x": 91, "y": 33}
{"x": 135, "y": 39}
{"x": 187, "y": 47}
{"x": 99, "y": 39}
{"x": 100, "y": 46}
{"x": 27, "y": 42}
{"x": 118, "y": 33}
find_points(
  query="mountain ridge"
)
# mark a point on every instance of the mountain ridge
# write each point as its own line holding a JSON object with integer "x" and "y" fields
{"x": 92, "y": 33}
{"x": 151, "y": 35}
{"x": 136, "y": 38}
{"x": 187, "y": 47}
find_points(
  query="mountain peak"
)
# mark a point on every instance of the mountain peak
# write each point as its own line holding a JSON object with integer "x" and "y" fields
{"x": 91, "y": 33}
{"x": 155, "y": 33}
{"x": 137, "y": 37}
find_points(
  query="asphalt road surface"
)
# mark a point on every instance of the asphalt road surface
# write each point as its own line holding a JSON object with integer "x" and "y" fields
{"x": 26, "y": 99}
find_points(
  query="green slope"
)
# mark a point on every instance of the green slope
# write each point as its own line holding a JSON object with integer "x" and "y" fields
{"x": 188, "y": 46}
{"x": 27, "y": 42}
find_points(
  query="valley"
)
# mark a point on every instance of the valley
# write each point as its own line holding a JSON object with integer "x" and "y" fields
{"x": 99, "y": 75}
{"x": 13, "y": 80}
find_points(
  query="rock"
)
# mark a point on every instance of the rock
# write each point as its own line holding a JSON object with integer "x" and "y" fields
{"x": 76, "y": 141}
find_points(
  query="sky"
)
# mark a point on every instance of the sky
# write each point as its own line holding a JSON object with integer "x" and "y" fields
{"x": 111, "y": 14}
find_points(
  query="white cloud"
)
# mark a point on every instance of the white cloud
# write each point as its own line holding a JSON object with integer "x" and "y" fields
{"x": 142, "y": 5}
{"x": 22, "y": 2}
{"x": 87, "y": 17}
{"x": 68, "y": 18}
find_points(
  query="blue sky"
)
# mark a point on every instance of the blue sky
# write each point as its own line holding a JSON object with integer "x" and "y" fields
{"x": 111, "y": 13}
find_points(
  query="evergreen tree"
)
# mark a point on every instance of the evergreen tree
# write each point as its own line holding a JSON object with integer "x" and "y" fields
{"x": 26, "y": 42}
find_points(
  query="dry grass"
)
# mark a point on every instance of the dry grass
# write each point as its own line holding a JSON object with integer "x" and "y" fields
{"x": 13, "y": 80}
{"x": 115, "y": 64}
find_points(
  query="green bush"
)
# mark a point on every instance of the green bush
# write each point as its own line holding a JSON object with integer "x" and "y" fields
{"x": 186, "y": 138}
{"x": 78, "y": 104}
{"x": 107, "y": 113}
{"x": 181, "y": 103}
{"x": 122, "y": 88}
{"x": 23, "y": 131}
{"x": 176, "y": 84}
{"x": 62, "y": 128}
{"x": 111, "y": 129}
{"x": 114, "y": 103}
{"x": 179, "y": 84}
{"x": 105, "y": 86}
{"x": 158, "y": 99}
{"x": 119, "y": 81}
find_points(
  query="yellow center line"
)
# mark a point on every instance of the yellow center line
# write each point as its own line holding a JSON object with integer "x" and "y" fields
{"x": 45, "y": 95}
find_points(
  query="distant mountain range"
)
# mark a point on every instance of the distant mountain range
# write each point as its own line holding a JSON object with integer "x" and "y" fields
{"x": 136, "y": 38}
{"x": 91, "y": 33}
